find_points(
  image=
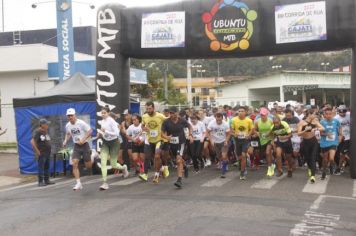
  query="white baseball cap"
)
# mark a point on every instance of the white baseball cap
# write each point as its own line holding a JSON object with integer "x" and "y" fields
{"x": 70, "y": 111}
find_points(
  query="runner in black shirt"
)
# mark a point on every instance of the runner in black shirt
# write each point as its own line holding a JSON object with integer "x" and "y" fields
{"x": 173, "y": 131}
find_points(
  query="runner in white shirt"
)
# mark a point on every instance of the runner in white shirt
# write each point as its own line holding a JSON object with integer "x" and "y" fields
{"x": 219, "y": 135}
{"x": 198, "y": 132}
{"x": 136, "y": 135}
{"x": 206, "y": 145}
{"x": 80, "y": 133}
{"x": 110, "y": 148}
{"x": 344, "y": 147}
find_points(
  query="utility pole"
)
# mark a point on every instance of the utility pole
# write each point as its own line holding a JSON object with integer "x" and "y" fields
{"x": 189, "y": 81}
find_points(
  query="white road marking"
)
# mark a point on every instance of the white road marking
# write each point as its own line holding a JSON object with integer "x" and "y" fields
{"x": 267, "y": 183}
{"x": 319, "y": 187}
{"x": 99, "y": 179}
{"x": 126, "y": 182}
{"x": 218, "y": 182}
{"x": 316, "y": 223}
{"x": 22, "y": 186}
{"x": 354, "y": 190}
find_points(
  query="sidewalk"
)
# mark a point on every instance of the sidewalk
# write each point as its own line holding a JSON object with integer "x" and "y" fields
{"x": 9, "y": 171}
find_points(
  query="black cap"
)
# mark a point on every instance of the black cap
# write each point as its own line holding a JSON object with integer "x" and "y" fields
{"x": 173, "y": 109}
{"x": 44, "y": 122}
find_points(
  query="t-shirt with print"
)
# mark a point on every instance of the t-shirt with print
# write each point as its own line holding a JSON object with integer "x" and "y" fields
{"x": 175, "y": 130}
{"x": 135, "y": 132}
{"x": 218, "y": 131}
{"x": 198, "y": 130}
{"x": 43, "y": 141}
{"x": 77, "y": 130}
{"x": 154, "y": 124}
{"x": 345, "y": 126}
{"x": 241, "y": 127}
{"x": 332, "y": 133}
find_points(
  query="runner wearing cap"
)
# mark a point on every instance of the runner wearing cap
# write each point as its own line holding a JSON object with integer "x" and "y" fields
{"x": 80, "y": 133}
{"x": 41, "y": 144}
{"x": 344, "y": 147}
{"x": 263, "y": 127}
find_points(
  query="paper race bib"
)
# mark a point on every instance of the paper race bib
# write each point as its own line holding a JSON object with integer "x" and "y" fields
{"x": 220, "y": 134}
{"x": 346, "y": 131}
{"x": 254, "y": 143}
{"x": 174, "y": 140}
{"x": 330, "y": 137}
{"x": 241, "y": 136}
{"x": 153, "y": 133}
{"x": 264, "y": 135}
{"x": 296, "y": 147}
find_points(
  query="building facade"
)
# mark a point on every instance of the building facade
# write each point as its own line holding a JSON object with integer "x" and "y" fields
{"x": 302, "y": 86}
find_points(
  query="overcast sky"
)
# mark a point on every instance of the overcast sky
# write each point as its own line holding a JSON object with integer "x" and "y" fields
{"x": 19, "y": 15}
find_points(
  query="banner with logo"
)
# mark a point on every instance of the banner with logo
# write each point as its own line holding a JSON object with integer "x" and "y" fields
{"x": 163, "y": 30}
{"x": 300, "y": 22}
{"x": 65, "y": 43}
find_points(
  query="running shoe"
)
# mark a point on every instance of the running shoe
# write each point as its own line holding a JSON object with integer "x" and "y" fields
{"x": 156, "y": 179}
{"x": 242, "y": 175}
{"x": 309, "y": 172}
{"x": 165, "y": 172}
{"x": 143, "y": 177}
{"x": 178, "y": 183}
{"x": 78, "y": 187}
{"x": 273, "y": 166}
{"x": 312, "y": 179}
{"x": 269, "y": 172}
{"x": 337, "y": 172}
{"x": 290, "y": 174}
{"x": 237, "y": 164}
{"x": 125, "y": 171}
{"x": 186, "y": 173}
{"x": 223, "y": 176}
{"x": 207, "y": 163}
{"x": 104, "y": 187}
{"x": 279, "y": 174}
{"x": 323, "y": 175}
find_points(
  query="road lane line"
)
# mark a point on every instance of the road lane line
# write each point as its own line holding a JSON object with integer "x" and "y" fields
{"x": 354, "y": 190}
{"x": 319, "y": 187}
{"x": 21, "y": 186}
{"x": 218, "y": 182}
{"x": 267, "y": 183}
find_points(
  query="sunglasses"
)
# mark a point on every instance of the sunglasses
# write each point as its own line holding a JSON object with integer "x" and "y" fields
{"x": 70, "y": 115}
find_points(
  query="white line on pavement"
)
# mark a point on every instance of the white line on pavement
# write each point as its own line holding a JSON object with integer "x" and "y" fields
{"x": 354, "y": 190}
{"x": 267, "y": 183}
{"x": 21, "y": 186}
{"x": 218, "y": 182}
{"x": 319, "y": 187}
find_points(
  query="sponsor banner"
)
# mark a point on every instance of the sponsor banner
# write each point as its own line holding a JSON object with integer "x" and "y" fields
{"x": 300, "y": 22}
{"x": 163, "y": 30}
{"x": 65, "y": 43}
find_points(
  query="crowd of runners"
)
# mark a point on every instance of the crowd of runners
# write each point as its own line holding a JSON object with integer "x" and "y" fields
{"x": 282, "y": 139}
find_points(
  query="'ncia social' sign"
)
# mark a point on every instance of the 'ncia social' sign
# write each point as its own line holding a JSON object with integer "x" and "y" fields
{"x": 229, "y": 25}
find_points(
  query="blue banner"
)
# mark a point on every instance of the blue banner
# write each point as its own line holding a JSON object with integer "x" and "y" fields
{"x": 65, "y": 39}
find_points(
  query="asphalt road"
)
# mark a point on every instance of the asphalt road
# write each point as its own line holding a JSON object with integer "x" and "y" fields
{"x": 206, "y": 205}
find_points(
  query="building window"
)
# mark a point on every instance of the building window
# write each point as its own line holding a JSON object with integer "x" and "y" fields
{"x": 193, "y": 90}
{"x": 205, "y": 91}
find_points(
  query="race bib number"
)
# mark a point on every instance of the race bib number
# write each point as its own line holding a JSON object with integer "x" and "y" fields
{"x": 264, "y": 135}
{"x": 296, "y": 147}
{"x": 346, "y": 131}
{"x": 241, "y": 136}
{"x": 153, "y": 133}
{"x": 330, "y": 137}
{"x": 76, "y": 139}
{"x": 254, "y": 144}
{"x": 220, "y": 134}
{"x": 174, "y": 140}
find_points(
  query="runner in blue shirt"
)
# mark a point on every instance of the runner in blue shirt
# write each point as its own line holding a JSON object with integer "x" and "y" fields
{"x": 330, "y": 139}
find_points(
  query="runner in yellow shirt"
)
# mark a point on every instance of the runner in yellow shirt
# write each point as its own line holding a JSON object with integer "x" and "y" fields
{"x": 242, "y": 128}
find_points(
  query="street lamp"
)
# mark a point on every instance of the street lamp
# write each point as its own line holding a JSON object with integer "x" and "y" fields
{"x": 325, "y": 64}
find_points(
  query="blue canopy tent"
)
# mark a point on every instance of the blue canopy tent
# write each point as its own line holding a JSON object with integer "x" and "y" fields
{"x": 77, "y": 92}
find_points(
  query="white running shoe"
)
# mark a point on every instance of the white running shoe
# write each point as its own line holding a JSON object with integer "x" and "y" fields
{"x": 125, "y": 171}
{"x": 104, "y": 186}
{"x": 78, "y": 186}
{"x": 208, "y": 162}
